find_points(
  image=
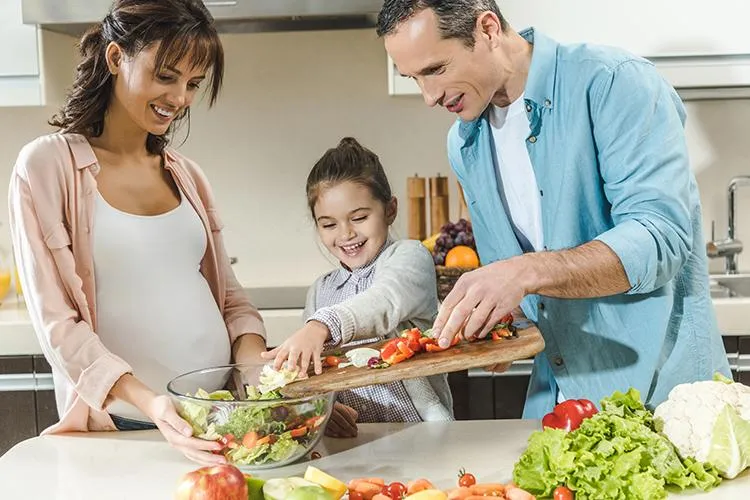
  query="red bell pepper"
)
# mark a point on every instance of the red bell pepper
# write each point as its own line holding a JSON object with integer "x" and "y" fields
{"x": 569, "y": 414}
{"x": 395, "y": 351}
{"x": 413, "y": 337}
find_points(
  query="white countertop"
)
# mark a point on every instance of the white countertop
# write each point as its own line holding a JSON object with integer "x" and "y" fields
{"x": 128, "y": 465}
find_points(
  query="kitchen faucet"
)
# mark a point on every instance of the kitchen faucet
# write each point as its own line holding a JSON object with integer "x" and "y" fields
{"x": 730, "y": 247}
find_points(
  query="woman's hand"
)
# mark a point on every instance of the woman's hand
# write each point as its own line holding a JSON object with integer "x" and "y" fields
{"x": 161, "y": 411}
{"x": 304, "y": 345}
{"x": 343, "y": 421}
{"x": 178, "y": 432}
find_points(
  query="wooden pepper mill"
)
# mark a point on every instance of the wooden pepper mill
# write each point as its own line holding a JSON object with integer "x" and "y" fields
{"x": 439, "y": 207}
{"x": 416, "y": 190}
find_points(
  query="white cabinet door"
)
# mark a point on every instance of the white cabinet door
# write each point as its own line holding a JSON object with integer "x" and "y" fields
{"x": 649, "y": 28}
{"x": 19, "y": 55}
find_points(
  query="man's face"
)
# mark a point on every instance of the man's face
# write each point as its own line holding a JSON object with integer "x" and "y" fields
{"x": 450, "y": 74}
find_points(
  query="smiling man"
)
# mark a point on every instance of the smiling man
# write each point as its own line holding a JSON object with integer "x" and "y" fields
{"x": 585, "y": 212}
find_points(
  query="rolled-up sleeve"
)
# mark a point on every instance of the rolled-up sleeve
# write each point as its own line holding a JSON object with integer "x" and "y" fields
{"x": 638, "y": 128}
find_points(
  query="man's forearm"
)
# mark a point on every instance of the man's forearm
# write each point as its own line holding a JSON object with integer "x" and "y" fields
{"x": 586, "y": 271}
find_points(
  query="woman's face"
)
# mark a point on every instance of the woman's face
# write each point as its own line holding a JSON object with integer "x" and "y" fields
{"x": 152, "y": 98}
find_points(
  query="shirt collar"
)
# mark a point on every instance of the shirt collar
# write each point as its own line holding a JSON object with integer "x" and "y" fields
{"x": 344, "y": 274}
{"x": 540, "y": 83}
{"x": 84, "y": 156}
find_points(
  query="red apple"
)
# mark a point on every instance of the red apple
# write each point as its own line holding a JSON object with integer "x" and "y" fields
{"x": 218, "y": 482}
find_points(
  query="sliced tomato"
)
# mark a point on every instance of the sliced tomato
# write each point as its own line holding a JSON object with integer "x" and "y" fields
{"x": 506, "y": 320}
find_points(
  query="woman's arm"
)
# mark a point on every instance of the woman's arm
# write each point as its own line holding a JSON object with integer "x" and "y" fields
{"x": 42, "y": 250}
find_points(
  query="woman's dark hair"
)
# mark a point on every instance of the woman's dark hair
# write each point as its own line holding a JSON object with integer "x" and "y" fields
{"x": 349, "y": 161}
{"x": 184, "y": 28}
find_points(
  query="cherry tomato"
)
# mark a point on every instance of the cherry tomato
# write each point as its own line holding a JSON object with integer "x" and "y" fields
{"x": 562, "y": 493}
{"x": 396, "y": 491}
{"x": 355, "y": 495}
{"x": 466, "y": 479}
{"x": 332, "y": 361}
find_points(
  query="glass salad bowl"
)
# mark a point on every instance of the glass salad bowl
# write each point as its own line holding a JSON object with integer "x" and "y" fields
{"x": 240, "y": 406}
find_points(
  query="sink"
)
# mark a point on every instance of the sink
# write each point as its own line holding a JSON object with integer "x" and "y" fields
{"x": 726, "y": 286}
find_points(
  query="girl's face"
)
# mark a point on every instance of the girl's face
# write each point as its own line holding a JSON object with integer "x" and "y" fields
{"x": 152, "y": 99}
{"x": 352, "y": 224}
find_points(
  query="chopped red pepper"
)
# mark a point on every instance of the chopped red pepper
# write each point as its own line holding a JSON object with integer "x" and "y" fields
{"x": 569, "y": 414}
{"x": 413, "y": 338}
{"x": 396, "y": 351}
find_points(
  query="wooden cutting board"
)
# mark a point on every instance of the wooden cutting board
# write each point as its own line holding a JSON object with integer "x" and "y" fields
{"x": 463, "y": 356}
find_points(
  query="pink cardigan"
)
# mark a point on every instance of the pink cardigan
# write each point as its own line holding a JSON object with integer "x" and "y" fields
{"x": 52, "y": 195}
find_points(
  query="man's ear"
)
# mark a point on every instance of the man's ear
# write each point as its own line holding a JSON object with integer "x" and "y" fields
{"x": 391, "y": 210}
{"x": 113, "y": 55}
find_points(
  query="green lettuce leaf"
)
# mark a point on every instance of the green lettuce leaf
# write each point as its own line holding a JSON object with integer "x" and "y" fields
{"x": 615, "y": 454}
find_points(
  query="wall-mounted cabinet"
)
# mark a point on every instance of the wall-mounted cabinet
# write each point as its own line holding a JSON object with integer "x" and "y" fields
{"x": 20, "y": 75}
{"x": 702, "y": 49}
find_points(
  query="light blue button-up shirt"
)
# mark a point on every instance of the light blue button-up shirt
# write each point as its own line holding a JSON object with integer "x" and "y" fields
{"x": 608, "y": 149}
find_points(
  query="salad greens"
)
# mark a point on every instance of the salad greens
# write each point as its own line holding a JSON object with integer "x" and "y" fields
{"x": 271, "y": 430}
{"x": 614, "y": 454}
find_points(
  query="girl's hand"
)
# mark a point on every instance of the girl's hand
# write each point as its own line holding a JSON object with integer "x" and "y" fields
{"x": 343, "y": 421}
{"x": 300, "y": 348}
{"x": 178, "y": 432}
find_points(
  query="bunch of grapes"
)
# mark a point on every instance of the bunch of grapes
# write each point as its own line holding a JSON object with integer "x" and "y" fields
{"x": 451, "y": 235}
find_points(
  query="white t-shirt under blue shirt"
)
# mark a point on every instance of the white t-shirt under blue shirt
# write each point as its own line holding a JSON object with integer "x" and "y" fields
{"x": 516, "y": 180}
{"x": 515, "y": 176}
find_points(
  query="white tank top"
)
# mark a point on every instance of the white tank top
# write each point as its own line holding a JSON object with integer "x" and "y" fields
{"x": 155, "y": 309}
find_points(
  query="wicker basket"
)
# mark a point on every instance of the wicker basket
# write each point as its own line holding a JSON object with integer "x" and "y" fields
{"x": 446, "y": 279}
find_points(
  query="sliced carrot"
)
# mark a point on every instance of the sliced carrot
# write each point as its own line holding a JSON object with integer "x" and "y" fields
{"x": 418, "y": 485}
{"x": 298, "y": 432}
{"x": 461, "y": 493}
{"x": 367, "y": 489}
{"x": 488, "y": 489}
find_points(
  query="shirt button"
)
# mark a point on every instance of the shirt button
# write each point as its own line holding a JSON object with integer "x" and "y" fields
{"x": 87, "y": 229}
{"x": 541, "y": 304}
{"x": 559, "y": 361}
{"x": 547, "y": 103}
{"x": 528, "y": 108}
{"x": 87, "y": 273}
{"x": 541, "y": 192}
{"x": 532, "y": 139}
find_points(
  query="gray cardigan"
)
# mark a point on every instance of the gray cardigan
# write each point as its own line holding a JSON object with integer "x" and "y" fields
{"x": 403, "y": 295}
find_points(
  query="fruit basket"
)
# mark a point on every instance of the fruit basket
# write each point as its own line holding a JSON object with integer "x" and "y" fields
{"x": 454, "y": 253}
{"x": 258, "y": 428}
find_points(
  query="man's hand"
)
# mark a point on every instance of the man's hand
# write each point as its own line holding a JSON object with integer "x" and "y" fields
{"x": 480, "y": 299}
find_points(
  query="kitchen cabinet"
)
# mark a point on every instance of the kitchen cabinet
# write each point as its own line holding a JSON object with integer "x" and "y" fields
{"x": 705, "y": 59}
{"x": 46, "y": 407}
{"x": 17, "y": 404}
{"x": 20, "y": 80}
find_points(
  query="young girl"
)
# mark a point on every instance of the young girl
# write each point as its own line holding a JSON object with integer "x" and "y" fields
{"x": 381, "y": 288}
{"x": 116, "y": 235}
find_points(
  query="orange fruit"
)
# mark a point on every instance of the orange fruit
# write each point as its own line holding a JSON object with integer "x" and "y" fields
{"x": 461, "y": 256}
